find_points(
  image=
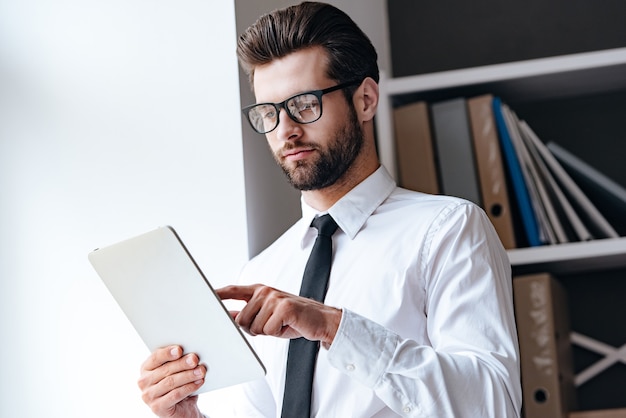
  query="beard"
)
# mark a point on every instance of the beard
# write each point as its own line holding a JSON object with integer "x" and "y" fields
{"x": 333, "y": 160}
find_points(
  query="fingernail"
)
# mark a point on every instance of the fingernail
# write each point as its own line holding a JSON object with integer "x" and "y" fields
{"x": 189, "y": 360}
{"x": 174, "y": 352}
{"x": 197, "y": 371}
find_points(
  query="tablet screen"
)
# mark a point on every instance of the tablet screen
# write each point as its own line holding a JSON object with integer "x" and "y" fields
{"x": 169, "y": 301}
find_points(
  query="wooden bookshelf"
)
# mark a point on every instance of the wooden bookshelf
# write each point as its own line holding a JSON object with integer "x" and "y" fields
{"x": 522, "y": 81}
{"x": 518, "y": 82}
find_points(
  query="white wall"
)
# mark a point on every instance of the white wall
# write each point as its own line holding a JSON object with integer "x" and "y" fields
{"x": 115, "y": 117}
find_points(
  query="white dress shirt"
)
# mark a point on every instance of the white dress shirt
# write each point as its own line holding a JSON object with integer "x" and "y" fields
{"x": 427, "y": 328}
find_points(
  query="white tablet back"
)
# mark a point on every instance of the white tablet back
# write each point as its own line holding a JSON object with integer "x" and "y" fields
{"x": 169, "y": 301}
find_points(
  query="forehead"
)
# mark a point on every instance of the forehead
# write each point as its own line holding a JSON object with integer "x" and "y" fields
{"x": 297, "y": 72}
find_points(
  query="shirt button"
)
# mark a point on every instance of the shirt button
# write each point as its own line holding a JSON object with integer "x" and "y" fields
{"x": 350, "y": 367}
{"x": 406, "y": 409}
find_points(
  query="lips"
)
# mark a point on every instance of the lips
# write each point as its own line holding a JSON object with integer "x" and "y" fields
{"x": 297, "y": 154}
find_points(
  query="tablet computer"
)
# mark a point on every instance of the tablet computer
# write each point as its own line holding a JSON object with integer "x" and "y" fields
{"x": 168, "y": 300}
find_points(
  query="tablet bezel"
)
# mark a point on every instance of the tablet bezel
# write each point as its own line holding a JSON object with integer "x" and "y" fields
{"x": 168, "y": 300}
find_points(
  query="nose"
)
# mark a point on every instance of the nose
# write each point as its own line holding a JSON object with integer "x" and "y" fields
{"x": 287, "y": 129}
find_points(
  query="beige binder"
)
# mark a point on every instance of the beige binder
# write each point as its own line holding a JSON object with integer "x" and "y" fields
{"x": 545, "y": 351}
{"x": 491, "y": 171}
{"x": 414, "y": 148}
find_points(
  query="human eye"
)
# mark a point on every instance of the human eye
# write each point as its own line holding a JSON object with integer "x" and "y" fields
{"x": 265, "y": 112}
{"x": 305, "y": 107}
{"x": 268, "y": 112}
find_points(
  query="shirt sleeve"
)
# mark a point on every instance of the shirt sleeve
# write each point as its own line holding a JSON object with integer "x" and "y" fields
{"x": 471, "y": 366}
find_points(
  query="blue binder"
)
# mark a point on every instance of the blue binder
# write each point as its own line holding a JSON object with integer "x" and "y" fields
{"x": 529, "y": 220}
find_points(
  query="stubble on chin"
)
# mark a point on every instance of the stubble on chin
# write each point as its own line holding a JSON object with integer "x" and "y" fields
{"x": 328, "y": 163}
{"x": 303, "y": 174}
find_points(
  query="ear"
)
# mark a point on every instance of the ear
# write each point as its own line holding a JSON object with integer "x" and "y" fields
{"x": 366, "y": 100}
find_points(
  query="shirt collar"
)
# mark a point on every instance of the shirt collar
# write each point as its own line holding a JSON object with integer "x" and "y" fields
{"x": 352, "y": 210}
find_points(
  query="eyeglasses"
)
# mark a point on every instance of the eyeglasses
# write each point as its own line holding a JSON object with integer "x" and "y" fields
{"x": 302, "y": 108}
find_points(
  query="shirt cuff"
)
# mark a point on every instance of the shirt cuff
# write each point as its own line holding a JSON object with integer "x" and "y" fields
{"x": 362, "y": 348}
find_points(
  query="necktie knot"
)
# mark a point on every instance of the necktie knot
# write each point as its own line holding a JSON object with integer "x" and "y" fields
{"x": 325, "y": 225}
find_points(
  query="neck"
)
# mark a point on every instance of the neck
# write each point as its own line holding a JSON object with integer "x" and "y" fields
{"x": 323, "y": 199}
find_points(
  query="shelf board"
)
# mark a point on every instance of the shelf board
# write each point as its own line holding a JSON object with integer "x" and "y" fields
{"x": 567, "y": 258}
{"x": 507, "y": 71}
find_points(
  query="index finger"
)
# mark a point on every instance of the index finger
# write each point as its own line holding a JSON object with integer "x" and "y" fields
{"x": 162, "y": 355}
{"x": 236, "y": 292}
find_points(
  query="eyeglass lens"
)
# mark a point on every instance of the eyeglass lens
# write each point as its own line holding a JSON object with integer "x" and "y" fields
{"x": 303, "y": 108}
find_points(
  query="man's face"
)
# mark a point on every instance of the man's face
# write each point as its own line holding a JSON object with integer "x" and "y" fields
{"x": 315, "y": 155}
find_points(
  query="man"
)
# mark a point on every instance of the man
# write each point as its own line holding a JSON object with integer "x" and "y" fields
{"x": 417, "y": 319}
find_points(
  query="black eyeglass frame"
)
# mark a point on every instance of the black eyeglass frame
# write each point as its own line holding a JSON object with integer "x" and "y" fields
{"x": 283, "y": 105}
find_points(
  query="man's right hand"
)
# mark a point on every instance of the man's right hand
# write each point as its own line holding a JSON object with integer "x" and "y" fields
{"x": 168, "y": 379}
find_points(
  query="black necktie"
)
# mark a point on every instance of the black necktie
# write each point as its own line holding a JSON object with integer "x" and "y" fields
{"x": 302, "y": 352}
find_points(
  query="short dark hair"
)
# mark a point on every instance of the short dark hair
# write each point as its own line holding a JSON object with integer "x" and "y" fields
{"x": 351, "y": 55}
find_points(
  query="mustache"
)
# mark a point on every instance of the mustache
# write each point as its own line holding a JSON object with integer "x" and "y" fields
{"x": 291, "y": 145}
